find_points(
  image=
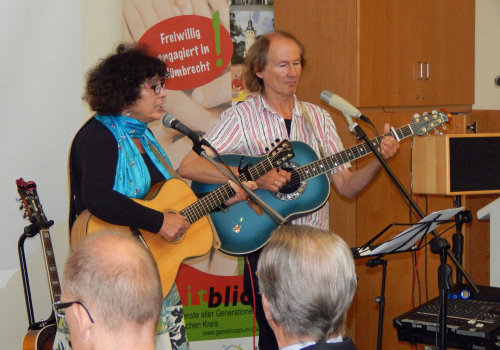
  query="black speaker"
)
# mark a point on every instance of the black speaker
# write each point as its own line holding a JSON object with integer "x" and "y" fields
{"x": 474, "y": 163}
{"x": 456, "y": 164}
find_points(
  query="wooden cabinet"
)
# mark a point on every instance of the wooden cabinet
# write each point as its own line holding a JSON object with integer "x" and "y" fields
{"x": 376, "y": 54}
{"x": 418, "y": 52}
{"x": 385, "y": 52}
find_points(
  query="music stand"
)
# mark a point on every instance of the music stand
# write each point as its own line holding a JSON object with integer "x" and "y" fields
{"x": 403, "y": 242}
{"x": 438, "y": 245}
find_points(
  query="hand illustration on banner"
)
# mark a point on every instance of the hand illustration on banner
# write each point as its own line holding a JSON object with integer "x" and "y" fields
{"x": 199, "y": 106}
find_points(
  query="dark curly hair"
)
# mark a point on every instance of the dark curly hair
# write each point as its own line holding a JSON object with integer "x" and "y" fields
{"x": 113, "y": 84}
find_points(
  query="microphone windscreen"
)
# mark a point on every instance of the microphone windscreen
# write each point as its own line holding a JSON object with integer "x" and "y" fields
{"x": 167, "y": 120}
{"x": 326, "y": 95}
{"x": 339, "y": 103}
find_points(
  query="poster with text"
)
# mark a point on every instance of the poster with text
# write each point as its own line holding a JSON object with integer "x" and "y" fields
{"x": 193, "y": 38}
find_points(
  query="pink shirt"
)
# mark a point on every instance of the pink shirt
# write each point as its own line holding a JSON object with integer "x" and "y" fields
{"x": 250, "y": 127}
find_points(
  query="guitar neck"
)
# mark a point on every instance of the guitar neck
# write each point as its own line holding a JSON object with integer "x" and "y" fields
{"x": 336, "y": 160}
{"x": 215, "y": 198}
{"x": 50, "y": 265}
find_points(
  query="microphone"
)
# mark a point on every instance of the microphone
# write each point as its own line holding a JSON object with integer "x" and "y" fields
{"x": 342, "y": 105}
{"x": 170, "y": 121}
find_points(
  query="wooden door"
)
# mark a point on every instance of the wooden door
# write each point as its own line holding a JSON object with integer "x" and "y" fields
{"x": 448, "y": 50}
{"x": 389, "y": 47}
{"x": 418, "y": 52}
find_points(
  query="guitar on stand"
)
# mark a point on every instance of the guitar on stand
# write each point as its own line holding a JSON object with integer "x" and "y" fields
{"x": 40, "y": 335}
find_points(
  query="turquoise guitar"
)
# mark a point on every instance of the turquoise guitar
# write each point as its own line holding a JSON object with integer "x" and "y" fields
{"x": 242, "y": 230}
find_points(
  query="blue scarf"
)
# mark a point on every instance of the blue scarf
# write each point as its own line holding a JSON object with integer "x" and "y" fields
{"x": 132, "y": 177}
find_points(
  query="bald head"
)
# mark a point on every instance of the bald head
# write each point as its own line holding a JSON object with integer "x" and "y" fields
{"x": 116, "y": 277}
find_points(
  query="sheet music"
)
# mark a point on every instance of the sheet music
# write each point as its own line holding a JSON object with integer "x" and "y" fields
{"x": 406, "y": 239}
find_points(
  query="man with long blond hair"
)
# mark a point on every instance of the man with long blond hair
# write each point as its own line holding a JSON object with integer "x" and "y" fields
{"x": 273, "y": 67}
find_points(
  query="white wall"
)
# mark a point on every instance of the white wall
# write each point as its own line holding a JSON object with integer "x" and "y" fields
{"x": 487, "y": 95}
{"x": 45, "y": 50}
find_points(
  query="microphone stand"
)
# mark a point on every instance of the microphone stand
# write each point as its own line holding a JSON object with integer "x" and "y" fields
{"x": 458, "y": 238}
{"x": 380, "y": 299}
{"x": 440, "y": 246}
{"x": 269, "y": 211}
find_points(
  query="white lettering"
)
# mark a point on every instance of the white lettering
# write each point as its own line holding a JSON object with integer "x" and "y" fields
{"x": 187, "y": 34}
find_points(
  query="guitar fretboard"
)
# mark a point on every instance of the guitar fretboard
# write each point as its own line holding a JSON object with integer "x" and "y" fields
{"x": 215, "y": 198}
{"x": 324, "y": 165}
{"x": 50, "y": 263}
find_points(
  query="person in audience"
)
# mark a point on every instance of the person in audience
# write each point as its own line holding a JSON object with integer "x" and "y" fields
{"x": 307, "y": 279}
{"x": 111, "y": 298}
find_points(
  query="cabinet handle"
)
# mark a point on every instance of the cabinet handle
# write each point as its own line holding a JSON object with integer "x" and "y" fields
{"x": 427, "y": 65}
{"x": 421, "y": 75}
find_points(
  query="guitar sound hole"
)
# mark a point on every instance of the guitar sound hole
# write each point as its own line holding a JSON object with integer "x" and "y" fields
{"x": 294, "y": 183}
{"x": 294, "y": 188}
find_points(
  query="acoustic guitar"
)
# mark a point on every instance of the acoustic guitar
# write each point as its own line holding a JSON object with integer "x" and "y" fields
{"x": 40, "y": 336}
{"x": 174, "y": 195}
{"x": 243, "y": 230}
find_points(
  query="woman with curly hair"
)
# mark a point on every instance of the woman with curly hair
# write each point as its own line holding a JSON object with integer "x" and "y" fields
{"x": 113, "y": 160}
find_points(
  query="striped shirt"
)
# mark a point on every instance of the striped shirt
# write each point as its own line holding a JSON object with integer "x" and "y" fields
{"x": 249, "y": 127}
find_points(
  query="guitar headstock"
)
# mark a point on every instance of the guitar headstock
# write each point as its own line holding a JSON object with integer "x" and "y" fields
{"x": 31, "y": 203}
{"x": 281, "y": 153}
{"x": 426, "y": 122}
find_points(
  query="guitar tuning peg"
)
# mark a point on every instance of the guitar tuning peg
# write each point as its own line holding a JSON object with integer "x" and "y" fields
{"x": 436, "y": 131}
{"x": 277, "y": 140}
{"x": 444, "y": 127}
{"x": 267, "y": 149}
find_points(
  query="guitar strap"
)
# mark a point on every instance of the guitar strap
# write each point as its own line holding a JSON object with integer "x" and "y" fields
{"x": 162, "y": 160}
{"x": 308, "y": 119}
{"x": 217, "y": 243}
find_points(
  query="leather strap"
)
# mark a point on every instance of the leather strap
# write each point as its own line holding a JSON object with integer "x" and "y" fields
{"x": 308, "y": 119}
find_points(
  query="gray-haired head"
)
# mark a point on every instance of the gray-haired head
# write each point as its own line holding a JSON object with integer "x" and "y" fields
{"x": 308, "y": 278}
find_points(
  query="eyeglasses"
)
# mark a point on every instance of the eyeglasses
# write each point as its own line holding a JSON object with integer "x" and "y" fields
{"x": 60, "y": 308}
{"x": 156, "y": 87}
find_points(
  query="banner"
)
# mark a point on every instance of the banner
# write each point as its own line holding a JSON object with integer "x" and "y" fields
{"x": 203, "y": 44}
